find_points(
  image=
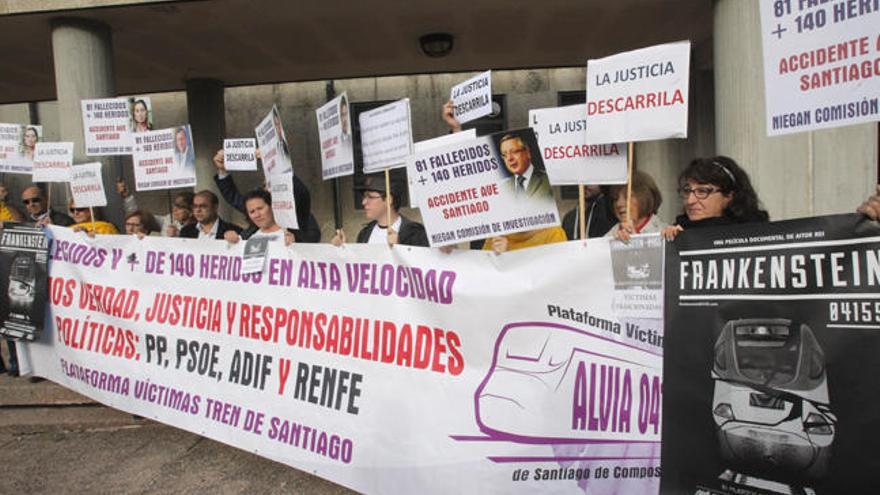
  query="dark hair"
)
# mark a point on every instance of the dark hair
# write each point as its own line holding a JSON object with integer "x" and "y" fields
{"x": 263, "y": 194}
{"x": 212, "y": 198}
{"x": 724, "y": 173}
{"x": 645, "y": 191}
{"x": 187, "y": 196}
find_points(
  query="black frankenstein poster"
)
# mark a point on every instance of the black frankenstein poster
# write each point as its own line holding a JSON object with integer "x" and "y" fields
{"x": 23, "y": 271}
{"x": 772, "y": 359}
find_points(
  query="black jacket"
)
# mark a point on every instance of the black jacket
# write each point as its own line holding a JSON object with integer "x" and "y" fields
{"x": 411, "y": 233}
{"x": 309, "y": 230}
{"x": 191, "y": 231}
{"x": 600, "y": 219}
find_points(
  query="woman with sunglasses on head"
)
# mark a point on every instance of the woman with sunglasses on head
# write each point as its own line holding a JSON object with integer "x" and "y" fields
{"x": 715, "y": 191}
{"x": 85, "y": 222}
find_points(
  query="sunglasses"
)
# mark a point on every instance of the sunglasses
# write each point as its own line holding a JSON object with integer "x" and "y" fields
{"x": 78, "y": 210}
{"x": 28, "y": 201}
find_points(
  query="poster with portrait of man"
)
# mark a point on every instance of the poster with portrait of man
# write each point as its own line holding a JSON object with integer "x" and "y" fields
{"x": 483, "y": 187}
{"x": 334, "y": 131}
{"x": 273, "y": 144}
{"x": 164, "y": 159}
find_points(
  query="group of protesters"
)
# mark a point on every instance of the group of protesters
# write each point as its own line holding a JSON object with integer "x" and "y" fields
{"x": 714, "y": 191}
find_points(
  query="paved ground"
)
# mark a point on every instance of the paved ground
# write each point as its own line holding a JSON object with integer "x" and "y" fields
{"x": 55, "y": 441}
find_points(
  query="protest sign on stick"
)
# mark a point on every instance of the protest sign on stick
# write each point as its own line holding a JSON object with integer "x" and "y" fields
{"x": 484, "y": 187}
{"x": 87, "y": 185}
{"x": 106, "y": 126}
{"x": 164, "y": 159}
{"x": 240, "y": 154}
{"x": 472, "y": 99}
{"x": 334, "y": 133}
{"x": 273, "y": 144}
{"x": 639, "y": 95}
{"x": 386, "y": 136}
{"x": 52, "y": 162}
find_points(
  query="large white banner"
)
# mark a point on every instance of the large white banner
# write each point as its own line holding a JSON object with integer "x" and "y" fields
{"x": 368, "y": 365}
{"x": 334, "y": 132}
{"x": 386, "y": 136}
{"x": 164, "y": 159}
{"x": 562, "y": 136}
{"x": 483, "y": 187}
{"x": 107, "y": 126}
{"x": 821, "y": 64}
{"x": 640, "y": 95}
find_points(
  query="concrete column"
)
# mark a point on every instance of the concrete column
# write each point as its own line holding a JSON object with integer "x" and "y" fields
{"x": 797, "y": 175}
{"x": 207, "y": 117}
{"x": 83, "y": 55}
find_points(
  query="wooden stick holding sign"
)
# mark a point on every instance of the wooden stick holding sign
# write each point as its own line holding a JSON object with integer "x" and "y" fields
{"x": 92, "y": 214}
{"x": 388, "y": 199}
{"x": 582, "y": 210}
{"x": 629, "y": 180}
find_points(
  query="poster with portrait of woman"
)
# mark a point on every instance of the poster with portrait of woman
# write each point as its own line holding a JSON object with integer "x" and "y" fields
{"x": 141, "y": 114}
{"x": 30, "y": 136}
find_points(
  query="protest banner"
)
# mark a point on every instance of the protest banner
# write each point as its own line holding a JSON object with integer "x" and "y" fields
{"x": 488, "y": 186}
{"x": 52, "y": 162}
{"x": 240, "y": 154}
{"x": 639, "y": 95}
{"x": 821, "y": 64}
{"x": 106, "y": 126}
{"x": 334, "y": 132}
{"x": 472, "y": 99}
{"x": 386, "y": 136}
{"x": 771, "y": 358}
{"x": 23, "y": 269}
{"x": 421, "y": 146}
{"x": 562, "y": 136}
{"x": 367, "y": 365}
{"x": 274, "y": 149}
{"x": 164, "y": 159}
{"x": 283, "y": 201}
{"x": 87, "y": 186}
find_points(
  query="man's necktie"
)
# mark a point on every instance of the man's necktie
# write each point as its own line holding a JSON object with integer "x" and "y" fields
{"x": 520, "y": 184}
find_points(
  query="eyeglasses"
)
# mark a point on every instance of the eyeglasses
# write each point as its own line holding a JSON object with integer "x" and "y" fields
{"x": 28, "y": 201}
{"x": 373, "y": 196}
{"x": 78, "y": 210}
{"x": 702, "y": 192}
{"x": 182, "y": 207}
{"x": 134, "y": 225}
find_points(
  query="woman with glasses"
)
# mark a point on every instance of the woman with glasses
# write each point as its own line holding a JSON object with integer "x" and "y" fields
{"x": 715, "y": 191}
{"x": 140, "y": 223}
{"x": 85, "y": 222}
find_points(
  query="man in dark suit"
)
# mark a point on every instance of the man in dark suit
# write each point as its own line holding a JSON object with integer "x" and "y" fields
{"x": 209, "y": 225}
{"x": 525, "y": 179}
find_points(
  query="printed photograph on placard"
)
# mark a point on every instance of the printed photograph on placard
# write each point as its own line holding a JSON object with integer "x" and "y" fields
{"x": 141, "y": 114}
{"x": 23, "y": 276}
